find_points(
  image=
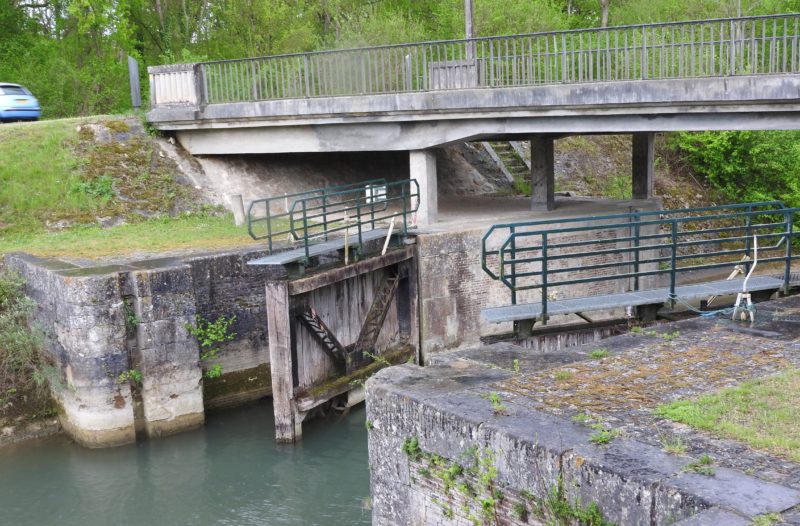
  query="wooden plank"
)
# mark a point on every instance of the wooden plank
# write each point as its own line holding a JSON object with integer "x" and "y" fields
{"x": 288, "y": 424}
{"x": 328, "y": 277}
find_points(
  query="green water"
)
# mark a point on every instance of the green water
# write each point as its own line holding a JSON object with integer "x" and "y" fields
{"x": 230, "y": 472}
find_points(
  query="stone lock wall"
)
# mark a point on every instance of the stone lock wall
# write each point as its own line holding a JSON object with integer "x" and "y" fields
{"x": 99, "y": 322}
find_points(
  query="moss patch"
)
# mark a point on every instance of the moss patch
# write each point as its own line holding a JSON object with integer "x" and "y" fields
{"x": 342, "y": 383}
{"x": 647, "y": 374}
{"x": 256, "y": 379}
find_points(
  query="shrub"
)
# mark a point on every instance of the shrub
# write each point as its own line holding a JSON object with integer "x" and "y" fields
{"x": 23, "y": 387}
{"x": 745, "y": 165}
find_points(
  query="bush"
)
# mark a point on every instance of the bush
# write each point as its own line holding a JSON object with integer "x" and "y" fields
{"x": 746, "y": 165}
{"x": 23, "y": 388}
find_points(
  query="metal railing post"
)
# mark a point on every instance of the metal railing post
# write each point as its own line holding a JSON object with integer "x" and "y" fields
{"x": 544, "y": 278}
{"x": 513, "y": 274}
{"x": 269, "y": 227}
{"x": 787, "y": 272}
{"x": 305, "y": 232}
{"x": 673, "y": 262}
{"x": 636, "y": 233}
{"x": 732, "y": 65}
{"x": 405, "y": 208}
{"x": 307, "y": 75}
{"x": 643, "y": 59}
{"x": 748, "y": 242}
{"x": 325, "y": 213}
{"x": 358, "y": 216}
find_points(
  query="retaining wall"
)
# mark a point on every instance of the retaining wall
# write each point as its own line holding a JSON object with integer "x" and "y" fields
{"x": 99, "y": 322}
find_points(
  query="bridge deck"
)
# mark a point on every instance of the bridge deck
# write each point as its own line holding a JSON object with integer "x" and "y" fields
{"x": 528, "y": 311}
{"x": 298, "y": 254}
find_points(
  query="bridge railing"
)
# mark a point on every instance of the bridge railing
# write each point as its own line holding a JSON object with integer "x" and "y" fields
{"x": 270, "y": 218}
{"x": 628, "y": 248}
{"x": 307, "y": 218}
{"x": 720, "y": 47}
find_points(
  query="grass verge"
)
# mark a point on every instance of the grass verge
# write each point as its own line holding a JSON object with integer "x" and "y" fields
{"x": 763, "y": 413}
{"x": 188, "y": 231}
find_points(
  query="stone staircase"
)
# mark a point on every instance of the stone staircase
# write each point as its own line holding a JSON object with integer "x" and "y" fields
{"x": 509, "y": 160}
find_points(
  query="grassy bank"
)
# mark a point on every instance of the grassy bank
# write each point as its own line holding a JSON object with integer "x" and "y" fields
{"x": 61, "y": 180}
{"x": 188, "y": 231}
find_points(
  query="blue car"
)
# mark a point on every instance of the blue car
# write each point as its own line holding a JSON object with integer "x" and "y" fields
{"x": 17, "y": 104}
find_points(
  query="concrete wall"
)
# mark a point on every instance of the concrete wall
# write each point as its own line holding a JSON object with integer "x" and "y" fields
{"x": 101, "y": 321}
{"x": 461, "y": 170}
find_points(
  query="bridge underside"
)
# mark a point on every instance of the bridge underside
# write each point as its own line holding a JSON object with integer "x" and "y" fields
{"x": 420, "y": 122}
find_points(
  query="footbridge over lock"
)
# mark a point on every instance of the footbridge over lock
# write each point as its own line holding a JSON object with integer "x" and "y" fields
{"x": 737, "y": 73}
{"x": 642, "y": 259}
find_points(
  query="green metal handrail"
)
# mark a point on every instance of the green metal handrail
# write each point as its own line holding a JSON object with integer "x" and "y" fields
{"x": 315, "y": 216}
{"x": 536, "y": 254}
{"x": 275, "y": 226}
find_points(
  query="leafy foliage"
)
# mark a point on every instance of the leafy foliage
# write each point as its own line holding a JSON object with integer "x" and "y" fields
{"x": 23, "y": 376}
{"x": 746, "y": 165}
{"x": 210, "y": 334}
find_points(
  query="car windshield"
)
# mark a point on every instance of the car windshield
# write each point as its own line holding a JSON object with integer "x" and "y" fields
{"x": 12, "y": 90}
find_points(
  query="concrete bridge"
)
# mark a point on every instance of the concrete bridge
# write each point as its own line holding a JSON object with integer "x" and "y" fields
{"x": 739, "y": 73}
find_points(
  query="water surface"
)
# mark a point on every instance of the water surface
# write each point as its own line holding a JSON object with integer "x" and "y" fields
{"x": 231, "y": 472}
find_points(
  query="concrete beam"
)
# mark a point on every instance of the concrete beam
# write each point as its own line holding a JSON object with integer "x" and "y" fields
{"x": 395, "y": 136}
{"x": 728, "y": 94}
{"x": 542, "y": 173}
{"x": 643, "y": 165}
{"x": 422, "y": 165}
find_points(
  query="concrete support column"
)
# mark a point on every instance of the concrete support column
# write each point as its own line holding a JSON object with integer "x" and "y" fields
{"x": 422, "y": 164}
{"x": 542, "y": 173}
{"x": 643, "y": 163}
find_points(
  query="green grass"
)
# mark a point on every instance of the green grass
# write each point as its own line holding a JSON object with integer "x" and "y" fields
{"x": 599, "y": 353}
{"x": 38, "y": 167}
{"x": 155, "y": 235}
{"x": 53, "y": 171}
{"x": 770, "y": 519}
{"x": 764, "y": 413}
{"x": 702, "y": 466}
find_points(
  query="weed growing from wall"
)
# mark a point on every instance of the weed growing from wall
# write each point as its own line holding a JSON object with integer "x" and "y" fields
{"x": 469, "y": 488}
{"x": 210, "y": 335}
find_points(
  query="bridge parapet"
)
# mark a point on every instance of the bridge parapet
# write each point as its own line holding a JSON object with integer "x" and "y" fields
{"x": 705, "y": 48}
{"x": 175, "y": 84}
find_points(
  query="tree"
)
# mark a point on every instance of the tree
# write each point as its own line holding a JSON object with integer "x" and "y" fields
{"x": 604, "y": 13}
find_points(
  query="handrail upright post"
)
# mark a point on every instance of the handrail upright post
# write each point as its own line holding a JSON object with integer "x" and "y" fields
{"x": 732, "y": 50}
{"x": 748, "y": 237}
{"x": 269, "y": 226}
{"x": 513, "y": 258}
{"x": 305, "y": 232}
{"x": 405, "y": 208}
{"x": 325, "y": 213}
{"x": 673, "y": 263}
{"x": 358, "y": 217}
{"x": 636, "y": 234}
{"x": 372, "y": 206}
{"x": 544, "y": 277}
{"x": 787, "y": 273}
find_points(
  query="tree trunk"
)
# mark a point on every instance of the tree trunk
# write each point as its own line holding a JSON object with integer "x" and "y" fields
{"x": 604, "y": 13}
